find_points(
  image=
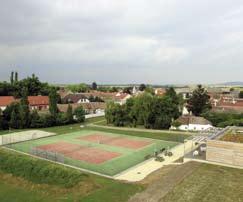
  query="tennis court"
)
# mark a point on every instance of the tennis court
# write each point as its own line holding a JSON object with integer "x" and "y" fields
{"x": 105, "y": 153}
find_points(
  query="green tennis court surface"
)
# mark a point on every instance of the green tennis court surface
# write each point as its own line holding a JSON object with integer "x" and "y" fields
{"x": 105, "y": 153}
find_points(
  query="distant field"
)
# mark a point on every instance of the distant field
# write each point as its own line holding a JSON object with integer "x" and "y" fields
{"x": 209, "y": 183}
{"x": 103, "y": 152}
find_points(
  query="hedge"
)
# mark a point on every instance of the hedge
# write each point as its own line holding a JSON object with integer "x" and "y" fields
{"x": 39, "y": 171}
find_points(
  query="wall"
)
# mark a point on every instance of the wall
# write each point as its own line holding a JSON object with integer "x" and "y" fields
{"x": 225, "y": 152}
{"x": 194, "y": 127}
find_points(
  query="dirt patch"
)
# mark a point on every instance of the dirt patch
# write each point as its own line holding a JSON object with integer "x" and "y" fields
{"x": 82, "y": 153}
{"x": 163, "y": 181}
{"x": 116, "y": 141}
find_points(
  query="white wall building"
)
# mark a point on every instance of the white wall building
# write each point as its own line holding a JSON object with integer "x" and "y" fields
{"x": 193, "y": 123}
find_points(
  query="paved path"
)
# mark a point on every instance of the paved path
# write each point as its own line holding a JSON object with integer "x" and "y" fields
{"x": 142, "y": 170}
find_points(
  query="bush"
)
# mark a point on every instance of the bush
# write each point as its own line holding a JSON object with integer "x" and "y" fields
{"x": 38, "y": 171}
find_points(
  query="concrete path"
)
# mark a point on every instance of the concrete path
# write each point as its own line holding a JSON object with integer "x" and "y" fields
{"x": 142, "y": 170}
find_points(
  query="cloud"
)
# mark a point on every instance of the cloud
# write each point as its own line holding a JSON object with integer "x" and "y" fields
{"x": 122, "y": 41}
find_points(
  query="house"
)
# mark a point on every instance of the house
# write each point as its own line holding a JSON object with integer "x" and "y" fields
{"x": 227, "y": 103}
{"x": 159, "y": 91}
{"x": 38, "y": 102}
{"x": 75, "y": 98}
{"x": 192, "y": 123}
{"x": 121, "y": 98}
{"x": 5, "y": 101}
{"x": 90, "y": 108}
{"x": 35, "y": 102}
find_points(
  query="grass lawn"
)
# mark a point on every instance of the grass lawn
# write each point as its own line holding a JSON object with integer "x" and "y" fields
{"x": 15, "y": 189}
{"x": 209, "y": 183}
{"x": 128, "y": 157}
{"x": 58, "y": 129}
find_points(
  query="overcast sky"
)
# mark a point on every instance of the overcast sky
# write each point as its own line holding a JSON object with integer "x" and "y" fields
{"x": 123, "y": 41}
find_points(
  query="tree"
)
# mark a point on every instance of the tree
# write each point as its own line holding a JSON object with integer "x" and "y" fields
{"x": 53, "y": 97}
{"x": 142, "y": 87}
{"x": 15, "y": 118}
{"x": 199, "y": 102}
{"x": 127, "y": 90}
{"x": 1, "y": 120}
{"x": 35, "y": 120}
{"x": 241, "y": 94}
{"x": 16, "y": 77}
{"x": 79, "y": 114}
{"x": 149, "y": 89}
{"x": 80, "y": 88}
{"x": 69, "y": 114}
{"x": 12, "y": 78}
{"x": 94, "y": 86}
{"x": 175, "y": 99}
{"x": 24, "y": 110}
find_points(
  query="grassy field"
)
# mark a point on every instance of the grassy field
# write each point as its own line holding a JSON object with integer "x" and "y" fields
{"x": 58, "y": 129}
{"x": 209, "y": 183}
{"x": 127, "y": 159}
{"x": 29, "y": 192}
{"x": 93, "y": 189}
{"x": 233, "y": 136}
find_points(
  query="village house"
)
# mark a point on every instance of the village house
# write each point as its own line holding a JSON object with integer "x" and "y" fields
{"x": 159, "y": 91}
{"x": 38, "y": 102}
{"x": 5, "y": 101}
{"x": 227, "y": 103}
{"x": 121, "y": 98}
{"x": 90, "y": 108}
{"x": 192, "y": 123}
{"x": 75, "y": 98}
{"x": 35, "y": 102}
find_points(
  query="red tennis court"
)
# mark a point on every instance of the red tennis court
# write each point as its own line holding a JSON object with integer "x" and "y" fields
{"x": 79, "y": 152}
{"x": 116, "y": 141}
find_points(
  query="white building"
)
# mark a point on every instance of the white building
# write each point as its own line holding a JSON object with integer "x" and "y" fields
{"x": 192, "y": 123}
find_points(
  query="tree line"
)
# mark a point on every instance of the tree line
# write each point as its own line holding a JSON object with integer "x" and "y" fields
{"x": 18, "y": 115}
{"x": 146, "y": 109}
{"x": 31, "y": 84}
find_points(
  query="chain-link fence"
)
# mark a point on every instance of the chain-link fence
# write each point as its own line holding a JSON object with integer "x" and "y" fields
{"x": 53, "y": 156}
{"x": 23, "y": 136}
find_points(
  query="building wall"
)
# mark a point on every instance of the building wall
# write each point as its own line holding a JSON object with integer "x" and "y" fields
{"x": 225, "y": 152}
{"x": 3, "y": 108}
{"x": 196, "y": 127}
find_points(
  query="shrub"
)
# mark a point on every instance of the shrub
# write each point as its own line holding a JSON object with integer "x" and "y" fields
{"x": 38, "y": 171}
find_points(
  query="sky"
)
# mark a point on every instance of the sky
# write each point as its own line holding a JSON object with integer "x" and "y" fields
{"x": 128, "y": 41}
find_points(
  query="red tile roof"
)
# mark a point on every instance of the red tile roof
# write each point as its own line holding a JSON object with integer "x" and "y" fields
{"x": 38, "y": 100}
{"x": 6, "y": 100}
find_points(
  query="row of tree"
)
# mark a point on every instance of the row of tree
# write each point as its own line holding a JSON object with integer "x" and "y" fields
{"x": 146, "y": 109}
{"x": 32, "y": 85}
